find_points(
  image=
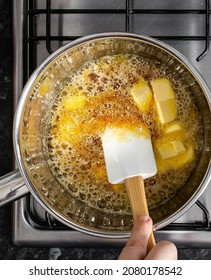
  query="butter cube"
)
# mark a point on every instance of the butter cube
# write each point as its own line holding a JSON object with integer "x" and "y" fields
{"x": 185, "y": 158}
{"x": 74, "y": 102}
{"x": 166, "y": 110}
{"x": 176, "y": 161}
{"x": 173, "y": 128}
{"x": 178, "y": 147}
{"x": 162, "y": 89}
{"x": 164, "y": 99}
{"x": 170, "y": 149}
{"x": 166, "y": 150}
{"x": 142, "y": 95}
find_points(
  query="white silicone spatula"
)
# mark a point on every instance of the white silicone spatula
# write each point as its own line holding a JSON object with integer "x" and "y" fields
{"x": 129, "y": 158}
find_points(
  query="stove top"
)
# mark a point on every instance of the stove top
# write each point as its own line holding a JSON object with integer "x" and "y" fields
{"x": 43, "y": 27}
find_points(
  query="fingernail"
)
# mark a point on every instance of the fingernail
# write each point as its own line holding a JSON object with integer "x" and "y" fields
{"x": 144, "y": 219}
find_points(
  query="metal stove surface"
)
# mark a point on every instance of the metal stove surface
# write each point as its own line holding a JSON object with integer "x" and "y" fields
{"x": 180, "y": 24}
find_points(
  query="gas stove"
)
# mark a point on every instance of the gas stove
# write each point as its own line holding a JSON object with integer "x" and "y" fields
{"x": 41, "y": 27}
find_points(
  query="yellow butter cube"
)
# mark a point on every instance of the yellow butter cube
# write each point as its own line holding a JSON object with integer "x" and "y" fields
{"x": 162, "y": 89}
{"x": 166, "y": 110}
{"x": 170, "y": 149}
{"x": 176, "y": 161}
{"x": 142, "y": 95}
{"x": 165, "y": 99}
{"x": 74, "y": 102}
{"x": 173, "y": 128}
{"x": 166, "y": 150}
{"x": 185, "y": 158}
{"x": 178, "y": 147}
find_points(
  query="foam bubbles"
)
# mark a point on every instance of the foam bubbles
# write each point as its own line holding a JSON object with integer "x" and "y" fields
{"x": 74, "y": 146}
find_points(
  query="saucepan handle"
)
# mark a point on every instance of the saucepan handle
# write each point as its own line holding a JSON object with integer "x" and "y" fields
{"x": 12, "y": 187}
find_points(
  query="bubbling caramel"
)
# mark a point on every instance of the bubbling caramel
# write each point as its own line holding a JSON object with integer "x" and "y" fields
{"x": 98, "y": 95}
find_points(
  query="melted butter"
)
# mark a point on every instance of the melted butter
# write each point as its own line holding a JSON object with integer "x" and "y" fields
{"x": 100, "y": 96}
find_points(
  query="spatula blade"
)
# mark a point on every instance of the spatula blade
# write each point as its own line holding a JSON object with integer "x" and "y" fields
{"x": 127, "y": 157}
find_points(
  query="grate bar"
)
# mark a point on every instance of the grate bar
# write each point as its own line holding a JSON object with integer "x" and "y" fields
{"x": 48, "y": 26}
{"x": 67, "y": 38}
{"x": 30, "y": 57}
{"x": 113, "y": 11}
{"x": 207, "y": 31}
{"x": 206, "y": 214}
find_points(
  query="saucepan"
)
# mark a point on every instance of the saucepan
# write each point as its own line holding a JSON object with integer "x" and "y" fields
{"x": 31, "y": 122}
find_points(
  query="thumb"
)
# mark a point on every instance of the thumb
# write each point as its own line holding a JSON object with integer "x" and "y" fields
{"x": 136, "y": 247}
{"x": 164, "y": 250}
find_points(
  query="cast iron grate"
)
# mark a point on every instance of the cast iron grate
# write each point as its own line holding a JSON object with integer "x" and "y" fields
{"x": 31, "y": 39}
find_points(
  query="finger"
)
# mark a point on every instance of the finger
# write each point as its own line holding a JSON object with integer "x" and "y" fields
{"x": 136, "y": 247}
{"x": 164, "y": 250}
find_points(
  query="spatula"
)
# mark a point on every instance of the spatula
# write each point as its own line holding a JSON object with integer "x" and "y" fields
{"x": 129, "y": 158}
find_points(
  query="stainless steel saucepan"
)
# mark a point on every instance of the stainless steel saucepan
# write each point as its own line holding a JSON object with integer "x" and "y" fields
{"x": 33, "y": 172}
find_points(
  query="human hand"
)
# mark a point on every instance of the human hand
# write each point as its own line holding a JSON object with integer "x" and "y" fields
{"x": 136, "y": 247}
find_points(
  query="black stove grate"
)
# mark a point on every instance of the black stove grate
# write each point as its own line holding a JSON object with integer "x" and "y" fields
{"x": 31, "y": 39}
{"x": 129, "y": 11}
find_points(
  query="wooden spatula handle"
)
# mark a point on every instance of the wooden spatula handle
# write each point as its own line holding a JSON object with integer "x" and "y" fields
{"x": 136, "y": 193}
